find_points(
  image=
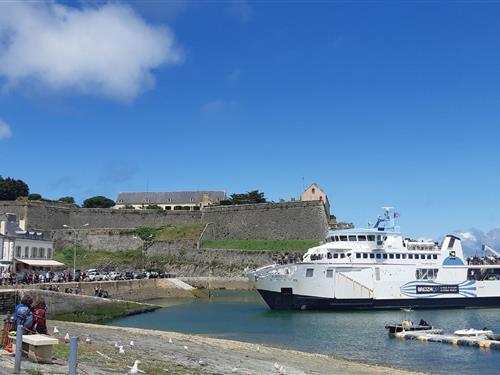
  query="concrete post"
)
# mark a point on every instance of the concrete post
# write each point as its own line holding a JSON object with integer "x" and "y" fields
{"x": 73, "y": 351}
{"x": 19, "y": 349}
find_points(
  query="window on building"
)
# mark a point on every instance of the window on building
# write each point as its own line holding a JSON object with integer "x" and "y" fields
{"x": 329, "y": 273}
{"x": 361, "y": 238}
{"x": 41, "y": 252}
{"x": 33, "y": 252}
{"x": 49, "y": 253}
{"x": 313, "y": 190}
{"x": 27, "y": 252}
{"x": 18, "y": 251}
{"x": 309, "y": 272}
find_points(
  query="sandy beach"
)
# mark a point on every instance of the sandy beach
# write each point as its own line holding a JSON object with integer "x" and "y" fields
{"x": 175, "y": 353}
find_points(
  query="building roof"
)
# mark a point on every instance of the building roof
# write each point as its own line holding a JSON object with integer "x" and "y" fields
{"x": 173, "y": 197}
{"x": 12, "y": 229}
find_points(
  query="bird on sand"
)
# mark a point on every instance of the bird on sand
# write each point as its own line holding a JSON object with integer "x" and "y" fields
{"x": 276, "y": 365}
{"x": 87, "y": 340}
{"x": 66, "y": 338}
{"x": 56, "y": 330}
{"x": 282, "y": 371}
{"x": 170, "y": 340}
{"x": 185, "y": 347}
{"x": 120, "y": 350}
{"x": 116, "y": 345}
{"x": 132, "y": 343}
{"x": 135, "y": 368}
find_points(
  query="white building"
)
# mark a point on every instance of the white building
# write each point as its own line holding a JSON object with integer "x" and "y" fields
{"x": 174, "y": 200}
{"x": 24, "y": 250}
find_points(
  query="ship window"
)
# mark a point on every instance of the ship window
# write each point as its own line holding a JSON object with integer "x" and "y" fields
{"x": 358, "y": 255}
{"x": 377, "y": 273}
{"x": 410, "y": 256}
{"x": 329, "y": 255}
{"x": 337, "y": 238}
{"x": 416, "y": 256}
{"x": 309, "y": 272}
{"x": 365, "y": 256}
{"x": 451, "y": 243}
{"x": 335, "y": 256}
{"x": 403, "y": 256}
{"x": 429, "y": 256}
{"x": 342, "y": 255}
{"x": 391, "y": 256}
{"x": 329, "y": 273}
{"x": 361, "y": 238}
{"x": 371, "y": 237}
{"x": 372, "y": 255}
{"x": 384, "y": 256}
{"x": 343, "y": 238}
{"x": 352, "y": 238}
{"x": 379, "y": 256}
{"x": 434, "y": 256}
{"x": 398, "y": 256}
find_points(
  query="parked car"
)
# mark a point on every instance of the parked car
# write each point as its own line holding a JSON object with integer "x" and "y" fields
{"x": 128, "y": 276}
{"x": 114, "y": 275}
{"x": 95, "y": 276}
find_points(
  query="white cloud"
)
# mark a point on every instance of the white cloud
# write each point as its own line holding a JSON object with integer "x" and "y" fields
{"x": 473, "y": 239}
{"x": 106, "y": 50}
{"x": 5, "y": 131}
{"x": 214, "y": 106}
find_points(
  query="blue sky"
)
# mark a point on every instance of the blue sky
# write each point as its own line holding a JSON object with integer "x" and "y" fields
{"x": 380, "y": 103}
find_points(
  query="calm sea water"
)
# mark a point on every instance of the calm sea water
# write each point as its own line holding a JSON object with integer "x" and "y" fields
{"x": 354, "y": 335}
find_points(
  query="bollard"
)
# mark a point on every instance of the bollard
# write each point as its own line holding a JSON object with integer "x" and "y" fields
{"x": 73, "y": 350}
{"x": 19, "y": 349}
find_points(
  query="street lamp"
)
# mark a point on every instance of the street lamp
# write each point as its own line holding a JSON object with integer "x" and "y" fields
{"x": 74, "y": 248}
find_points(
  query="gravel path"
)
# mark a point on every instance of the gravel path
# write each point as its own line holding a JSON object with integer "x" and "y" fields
{"x": 199, "y": 354}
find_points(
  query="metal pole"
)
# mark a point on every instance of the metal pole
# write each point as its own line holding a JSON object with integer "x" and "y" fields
{"x": 73, "y": 351}
{"x": 74, "y": 258}
{"x": 19, "y": 349}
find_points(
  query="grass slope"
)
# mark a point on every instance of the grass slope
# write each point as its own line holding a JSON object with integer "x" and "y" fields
{"x": 272, "y": 245}
{"x": 179, "y": 232}
{"x": 86, "y": 259}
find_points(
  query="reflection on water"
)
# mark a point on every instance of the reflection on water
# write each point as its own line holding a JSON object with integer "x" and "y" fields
{"x": 358, "y": 335}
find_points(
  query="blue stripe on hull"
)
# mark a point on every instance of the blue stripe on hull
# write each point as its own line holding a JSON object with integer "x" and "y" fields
{"x": 279, "y": 301}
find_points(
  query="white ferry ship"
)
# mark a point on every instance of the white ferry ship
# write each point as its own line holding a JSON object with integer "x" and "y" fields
{"x": 377, "y": 268}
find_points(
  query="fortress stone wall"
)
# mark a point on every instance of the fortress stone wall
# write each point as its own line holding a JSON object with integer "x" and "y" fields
{"x": 288, "y": 220}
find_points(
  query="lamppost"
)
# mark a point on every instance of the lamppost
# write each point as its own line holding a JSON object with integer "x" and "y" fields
{"x": 74, "y": 248}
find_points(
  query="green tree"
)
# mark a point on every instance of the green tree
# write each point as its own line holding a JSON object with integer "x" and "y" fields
{"x": 11, "y": 189}
{"x": 35, "y": 197}
{"x": 250, "y": 197}
{"x": 98, "y": 202}
{"x": 69, "y": 200}
{"x": 128, "y": 207}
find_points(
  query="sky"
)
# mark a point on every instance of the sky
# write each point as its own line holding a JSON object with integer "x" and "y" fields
{"x": 381, "y": 103}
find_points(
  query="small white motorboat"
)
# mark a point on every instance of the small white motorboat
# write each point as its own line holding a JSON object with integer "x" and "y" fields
{"x": 471, "y": 332}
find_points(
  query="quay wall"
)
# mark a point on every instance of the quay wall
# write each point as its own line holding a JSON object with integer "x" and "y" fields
{"x": 287, "y": 220}
{"x": 130, "y": 290}
{"x": 228, "y": 283}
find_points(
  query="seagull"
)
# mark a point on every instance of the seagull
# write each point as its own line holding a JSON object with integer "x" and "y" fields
{"x": 132, "y": 343}
{"x": 258, "y": 348}
{"x": 234, "y": 369}
{"x": 66, "y": 338}
{"x": 116, "y": 345}
{"x": 276, "y": 365}
{"x": 201, "y": 362}
{"x": 185, "y": 347}
{"x": 170, "y": 340}
{"x": 56, "y": 330}
{"x": 87, "y": 340}
{"x": 135, "y": 368}
{"x": 282, "y": 371}
{"x": 120, "y": 350}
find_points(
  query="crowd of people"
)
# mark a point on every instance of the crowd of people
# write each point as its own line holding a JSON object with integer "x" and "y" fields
{"x": 477, "y": 260}
{"x": 15, "y": 278}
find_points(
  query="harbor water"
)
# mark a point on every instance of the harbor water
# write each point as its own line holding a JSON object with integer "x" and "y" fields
{"x": 355, "y": 335}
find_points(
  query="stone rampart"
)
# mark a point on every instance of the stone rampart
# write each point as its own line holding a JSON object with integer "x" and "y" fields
{"x": 97, "y": 239}
{"x": 288, "y": 220}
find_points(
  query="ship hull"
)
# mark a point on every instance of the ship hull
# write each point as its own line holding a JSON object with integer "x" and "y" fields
{"x": 286, "y": 301}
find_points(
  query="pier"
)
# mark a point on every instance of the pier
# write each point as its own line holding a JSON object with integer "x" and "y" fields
{"x": 437, "y": 336}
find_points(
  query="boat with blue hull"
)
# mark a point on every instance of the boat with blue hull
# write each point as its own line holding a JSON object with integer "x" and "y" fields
{"x": 376, "y": 268}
